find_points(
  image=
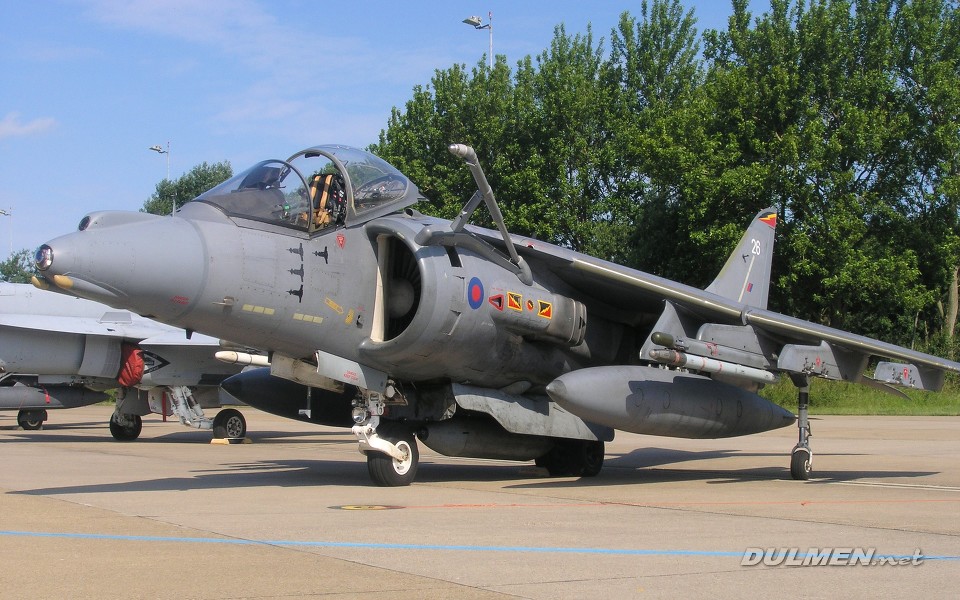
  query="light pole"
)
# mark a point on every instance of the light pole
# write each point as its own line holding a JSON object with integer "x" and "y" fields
{"x": 8, "y": 212}
{"x": 159, "y": 150}
{"x": 477, "y": 23}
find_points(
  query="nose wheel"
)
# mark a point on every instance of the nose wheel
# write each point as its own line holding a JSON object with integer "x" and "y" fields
{"x": 389, "y": 471}
{"x": 391, "y": 448}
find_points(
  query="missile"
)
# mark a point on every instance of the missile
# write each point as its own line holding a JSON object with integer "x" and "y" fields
{"x": 709, "y": 349}
{"x": 25, "y": 396}
{"x": 285, "y": 398}
{"x": 242, "y": 358}
{"x": 675, "y": 358}
{"x": 655, "y": 401}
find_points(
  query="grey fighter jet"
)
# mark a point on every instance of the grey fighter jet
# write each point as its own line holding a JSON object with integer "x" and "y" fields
{"x": 475, "y": 342}
{"x": 58, "y": 351}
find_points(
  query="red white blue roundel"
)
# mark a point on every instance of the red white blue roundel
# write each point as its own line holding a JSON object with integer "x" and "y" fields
{"x": 475, "y": 293}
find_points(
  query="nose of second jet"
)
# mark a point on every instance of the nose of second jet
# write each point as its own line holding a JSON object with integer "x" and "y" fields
{"x": 153, "y": 265}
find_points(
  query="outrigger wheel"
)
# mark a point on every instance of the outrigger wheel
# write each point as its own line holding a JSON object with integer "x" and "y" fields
{"x": 387, "y": 471}
{"x": 801, "y": 459}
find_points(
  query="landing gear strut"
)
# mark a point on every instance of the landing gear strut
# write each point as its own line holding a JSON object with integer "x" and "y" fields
{"x": 229, "y": 423}
{"x": 392, "y": 454}
{"x": 801, "y": 459}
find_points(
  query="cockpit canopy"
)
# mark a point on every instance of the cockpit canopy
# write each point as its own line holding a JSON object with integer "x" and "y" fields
{"x": 315, "y": 189}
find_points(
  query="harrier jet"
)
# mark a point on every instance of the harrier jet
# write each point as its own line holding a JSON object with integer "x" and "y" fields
{"x": 475, "y": 342}
{"x": 58, "y": 351}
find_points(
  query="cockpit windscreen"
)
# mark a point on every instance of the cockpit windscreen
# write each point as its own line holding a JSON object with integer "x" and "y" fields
{"x": 314, "y": 189}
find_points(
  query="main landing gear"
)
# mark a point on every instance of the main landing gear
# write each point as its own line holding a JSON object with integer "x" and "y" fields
{"x": 573, "y": 458}
{"x": 126, "y": 424}
{"x": 125, "y": 427}
{"x": 31, "y": 420}
{"x": 801, "y": 458}
{"x": 229, "y": 422}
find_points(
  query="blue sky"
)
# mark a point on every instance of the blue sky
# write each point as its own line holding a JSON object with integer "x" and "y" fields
{"x": 87, "y": 86}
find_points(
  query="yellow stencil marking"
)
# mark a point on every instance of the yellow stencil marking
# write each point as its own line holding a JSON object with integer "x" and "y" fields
{"x": 336, "y": 307}
{"x": 307, "y": 318}
{"x": 258, "y": 310}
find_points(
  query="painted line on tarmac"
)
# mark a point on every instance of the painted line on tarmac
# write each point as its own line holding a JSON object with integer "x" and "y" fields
{"x": 666, "y": 504}
{"x": 385, "y": 546}
{"x": 906, "y": 486}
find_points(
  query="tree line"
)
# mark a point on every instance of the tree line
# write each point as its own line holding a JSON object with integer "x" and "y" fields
{"x": 655, "y": 146}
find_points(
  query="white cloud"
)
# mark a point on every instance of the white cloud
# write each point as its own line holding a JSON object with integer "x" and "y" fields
{"x": 240, "y": 28}
{"x": 12, "y": 125}
{"x": 297, "y": 73}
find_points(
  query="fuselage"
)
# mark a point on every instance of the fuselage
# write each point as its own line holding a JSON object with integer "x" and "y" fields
{"x": 244, "y": 264}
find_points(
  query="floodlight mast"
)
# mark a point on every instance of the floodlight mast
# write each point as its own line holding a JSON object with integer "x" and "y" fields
{"x": 159, "y": 150}
{"x": 477, "y": 23}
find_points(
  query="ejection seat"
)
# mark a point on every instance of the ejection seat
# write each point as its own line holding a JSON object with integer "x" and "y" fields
{"x": 326, "y": 195}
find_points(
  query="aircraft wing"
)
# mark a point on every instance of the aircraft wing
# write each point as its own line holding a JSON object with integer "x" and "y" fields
{"x": 178, "y": 338}
{"x": 799, "y": 340}
{"x": 614, "y": 285}
{"x": 26, "y": 308}
{"x": 790, "y": 345}
{"x": 131, "y": 329}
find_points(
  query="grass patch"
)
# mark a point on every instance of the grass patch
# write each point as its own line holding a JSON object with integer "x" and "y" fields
{"x": 840, "y": 398}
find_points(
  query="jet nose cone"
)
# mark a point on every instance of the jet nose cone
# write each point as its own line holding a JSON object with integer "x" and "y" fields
{"x": 150, "y": 264}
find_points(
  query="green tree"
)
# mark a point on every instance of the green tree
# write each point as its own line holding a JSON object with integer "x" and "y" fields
{"x": 813, "y": 97}
{"x": 659, "y": 166}
{"x": 184, "y": 189}
{"x": 18, "y": 268}
{"x": 844, "y": 114}
{"x": 926, "y": 42}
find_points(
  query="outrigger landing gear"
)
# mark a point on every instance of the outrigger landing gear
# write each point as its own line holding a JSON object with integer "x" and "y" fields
{"x": 801, "y": 459}
{"x": 392, "y": 458}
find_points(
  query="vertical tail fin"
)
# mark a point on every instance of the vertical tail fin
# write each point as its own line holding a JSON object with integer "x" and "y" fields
{"x": 746, "y": 275}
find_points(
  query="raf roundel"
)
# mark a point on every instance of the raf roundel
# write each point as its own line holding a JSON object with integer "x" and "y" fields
{"x": 475, "y": 293}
